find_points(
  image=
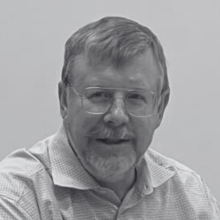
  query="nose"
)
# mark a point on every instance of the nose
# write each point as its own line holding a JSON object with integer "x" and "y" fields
{"x": 117, "y": 114}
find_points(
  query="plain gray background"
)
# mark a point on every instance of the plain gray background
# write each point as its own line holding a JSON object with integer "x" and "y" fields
{"x": 32, "y": 37}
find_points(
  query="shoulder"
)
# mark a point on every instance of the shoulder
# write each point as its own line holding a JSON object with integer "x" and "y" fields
{"x": 186, "y": 186}
{"x": 26, "y": 183}
{"x": 184, "y": 176}
{"x": 24, "y": 168}
{"x": 169, "y": 163}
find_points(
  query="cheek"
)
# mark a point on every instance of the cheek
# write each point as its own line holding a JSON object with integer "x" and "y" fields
{"x": 144, "y": 131}
{"x": 79, "y": 124}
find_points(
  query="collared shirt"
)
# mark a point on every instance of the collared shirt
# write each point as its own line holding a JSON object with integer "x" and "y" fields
{"x": 48, "y": 182}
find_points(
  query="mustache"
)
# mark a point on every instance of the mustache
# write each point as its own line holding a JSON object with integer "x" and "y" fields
{"x": 104, "y": 132}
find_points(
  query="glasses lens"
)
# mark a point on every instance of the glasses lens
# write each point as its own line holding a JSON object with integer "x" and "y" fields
{"x": 140, "y": 103}
{"x": 97, "y": 100}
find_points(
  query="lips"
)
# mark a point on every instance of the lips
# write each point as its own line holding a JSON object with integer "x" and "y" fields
{"x": 113, "y": 141}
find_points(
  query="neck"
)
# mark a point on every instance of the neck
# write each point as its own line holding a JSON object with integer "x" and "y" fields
{"x": 120, "y": 186}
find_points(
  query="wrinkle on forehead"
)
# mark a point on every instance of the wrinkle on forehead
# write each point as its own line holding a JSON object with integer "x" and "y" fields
{"x": 151, "y": 82}
{"x": 146, "y": 77}
{"x": 138, "y": 77}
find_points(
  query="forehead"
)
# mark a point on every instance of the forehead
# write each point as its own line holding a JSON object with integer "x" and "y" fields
{"x": 142, "y": 72}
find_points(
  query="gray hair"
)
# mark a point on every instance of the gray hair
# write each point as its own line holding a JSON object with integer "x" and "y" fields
{"x": 112, "y": 40}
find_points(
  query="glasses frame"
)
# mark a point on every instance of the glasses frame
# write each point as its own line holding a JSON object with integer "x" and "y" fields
{"x": 81, "y": 95}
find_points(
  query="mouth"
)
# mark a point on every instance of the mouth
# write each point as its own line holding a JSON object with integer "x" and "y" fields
{"x": 113, "y": 141}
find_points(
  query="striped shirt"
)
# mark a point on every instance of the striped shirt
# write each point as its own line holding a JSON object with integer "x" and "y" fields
{"x": 48, "y": 182}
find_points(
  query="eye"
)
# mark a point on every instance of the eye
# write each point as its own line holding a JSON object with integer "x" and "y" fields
{"x": 99, "y": 96}
{"x": 136, "y": 97}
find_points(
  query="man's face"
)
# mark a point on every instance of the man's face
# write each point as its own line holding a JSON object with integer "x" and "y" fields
{"x": 110, "y": 144}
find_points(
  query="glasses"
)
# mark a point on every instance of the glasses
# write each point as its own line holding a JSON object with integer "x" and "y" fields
{"x": 98, "y": 100}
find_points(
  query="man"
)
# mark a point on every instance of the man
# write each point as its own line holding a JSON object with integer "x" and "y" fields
{"x": 113, "y": 94}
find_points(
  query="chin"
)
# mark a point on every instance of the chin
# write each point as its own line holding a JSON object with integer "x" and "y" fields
{"x": 111, "y": 168}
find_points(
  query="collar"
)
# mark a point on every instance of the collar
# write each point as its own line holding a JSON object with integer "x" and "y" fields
{"x": 152, "y": 172}
{"x": 66, "y": 168}
{"x": 67, "y": 171}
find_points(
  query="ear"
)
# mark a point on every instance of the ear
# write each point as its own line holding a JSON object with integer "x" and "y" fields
{"x": 163, "y": 101}
{"x": 62, "y": 98}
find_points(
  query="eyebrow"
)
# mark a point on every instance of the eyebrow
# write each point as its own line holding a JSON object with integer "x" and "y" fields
{"x": 123, "y": 89}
